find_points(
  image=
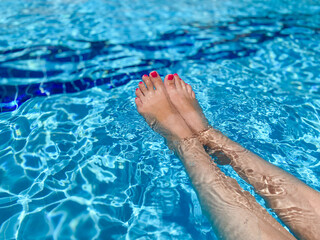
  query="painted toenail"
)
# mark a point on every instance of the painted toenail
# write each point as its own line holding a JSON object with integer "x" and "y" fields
{"x": 140, "y": 82}
{"x": 180, "y": 79}
{"x": 137, "y": 89}
{"x": 154, "y": 74}
{"x": 170, "y": 77}
{"x": 175, "y": 74}
{"x": 145, "y": 75}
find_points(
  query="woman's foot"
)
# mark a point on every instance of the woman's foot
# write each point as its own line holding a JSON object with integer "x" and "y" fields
{"x": 154, "y": 105}
{"x": 184, "y": 100}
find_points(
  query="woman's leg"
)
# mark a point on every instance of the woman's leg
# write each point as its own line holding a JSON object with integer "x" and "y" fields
{"x": 296, "y": 204}
{"x": 234, "y": 213}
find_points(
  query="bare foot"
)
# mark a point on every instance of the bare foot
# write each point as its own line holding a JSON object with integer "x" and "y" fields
{"x": 184, "y": 100}
{"x": 154, "y": 105}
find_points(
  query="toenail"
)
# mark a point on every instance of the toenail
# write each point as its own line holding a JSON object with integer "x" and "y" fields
{"x": 145, "y": 75}
{"x": 170, "y": 77}
{"x": 176, "y": 74}
{"x": 180, "y": 79}
{"x": 140, "y": 82}
{"x": 154, "y": 74}
{"x": 137, "y": 89}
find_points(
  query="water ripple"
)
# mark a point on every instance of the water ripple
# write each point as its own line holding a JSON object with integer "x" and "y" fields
{"x": 74, "y": 152}
{"x": 103, "y": 62}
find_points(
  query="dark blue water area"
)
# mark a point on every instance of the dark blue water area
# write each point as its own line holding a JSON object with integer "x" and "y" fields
{"x": 240, "y": 46}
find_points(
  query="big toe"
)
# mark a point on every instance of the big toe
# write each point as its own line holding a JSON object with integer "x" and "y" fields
{"x": 169, "y": 81}
{"x": 156, "y": 80}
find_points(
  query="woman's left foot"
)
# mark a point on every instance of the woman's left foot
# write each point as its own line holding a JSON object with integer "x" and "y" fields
{"x": 184, "y": 100}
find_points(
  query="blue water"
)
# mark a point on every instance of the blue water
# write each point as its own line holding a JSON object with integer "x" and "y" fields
{"x": 76, "y": 159}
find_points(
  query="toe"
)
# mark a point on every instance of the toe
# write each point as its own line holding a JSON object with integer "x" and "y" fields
{"x": 189, "y": 89}
{"x": 156, "y": 80}
{"x": 169, "y": 81}
{"x": 138, "y": 102}
{"x": 182, "y": 82}
{"x": 148, "y": 83}
{"x": 143, "y": 88}
{"x": 177, "y": 81}
{"x": 139, "y": 94}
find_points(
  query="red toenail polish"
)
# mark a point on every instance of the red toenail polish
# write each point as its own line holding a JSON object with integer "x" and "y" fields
{"x": 140, "y": 82}
{"x": 175, "y": 74}
{"x": 154, "y": 74}
{"x": 170, "y": 77}
{"x": 145, "y": 75}
{"x": 137, "y": 89}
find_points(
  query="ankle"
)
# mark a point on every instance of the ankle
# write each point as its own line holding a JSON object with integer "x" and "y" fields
{"x": 208, "y": 135}
{"x": 178, "y": 127}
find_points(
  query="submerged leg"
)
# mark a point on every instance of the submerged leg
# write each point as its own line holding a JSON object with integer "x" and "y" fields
{"x": 234, "y": 213}
{"x": 296, "y": 204}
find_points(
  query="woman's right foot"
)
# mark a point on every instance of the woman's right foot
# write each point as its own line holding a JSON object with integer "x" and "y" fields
{"x": 184, "y": 100}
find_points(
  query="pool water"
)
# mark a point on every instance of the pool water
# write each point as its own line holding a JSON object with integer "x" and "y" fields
{"x": 76, "y": 159}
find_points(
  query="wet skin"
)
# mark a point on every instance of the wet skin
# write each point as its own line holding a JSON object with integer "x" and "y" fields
{"x": 170, "y": 108}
